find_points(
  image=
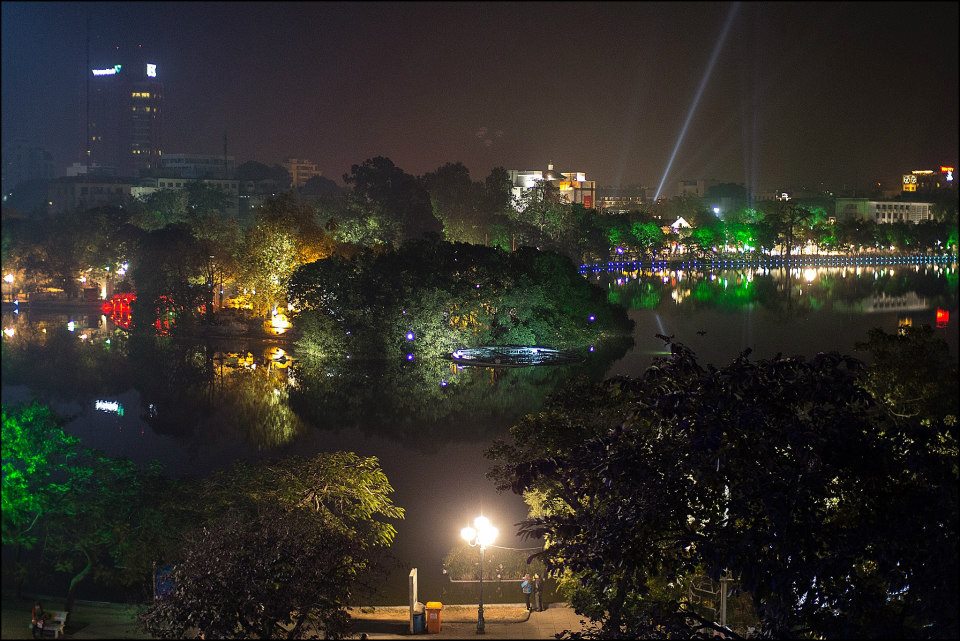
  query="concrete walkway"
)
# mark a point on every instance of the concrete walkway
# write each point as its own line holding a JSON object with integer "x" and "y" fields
{"x": 97, "y": 620}
{"x": 539, "y": 625}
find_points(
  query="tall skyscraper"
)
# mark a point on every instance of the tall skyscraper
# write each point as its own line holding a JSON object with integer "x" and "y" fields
{"x": 125, "y": 116}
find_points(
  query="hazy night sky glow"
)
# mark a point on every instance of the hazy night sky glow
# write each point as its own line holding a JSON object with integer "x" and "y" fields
{"x": 800, "y": 93}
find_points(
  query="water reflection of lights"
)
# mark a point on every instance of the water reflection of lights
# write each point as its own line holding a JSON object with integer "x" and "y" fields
{"x": 809, "y": 275}
{"x": 109, "y": 406}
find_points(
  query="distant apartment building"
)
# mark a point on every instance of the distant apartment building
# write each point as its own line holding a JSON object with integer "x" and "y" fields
{"x": 301, "y": 170}
{"x": 572, "y": 185}
{"x": 198, "y": 166}
{"x": 23, "y": 162}
{"x": 883, "y": 211}
{"x": 74, "y": 193}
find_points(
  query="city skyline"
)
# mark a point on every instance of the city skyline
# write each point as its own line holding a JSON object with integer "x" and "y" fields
{"x": 839, "y": 94}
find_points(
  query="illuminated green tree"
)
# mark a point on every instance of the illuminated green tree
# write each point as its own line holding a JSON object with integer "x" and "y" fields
{"x": 270, "y": 252}
{"x": 97, "y": 516}
{"x": 648, "y": 236}
{"x": 37, "y": 457}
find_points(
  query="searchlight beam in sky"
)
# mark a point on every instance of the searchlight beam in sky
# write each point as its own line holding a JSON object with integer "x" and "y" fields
{"x": 696, "y": 97}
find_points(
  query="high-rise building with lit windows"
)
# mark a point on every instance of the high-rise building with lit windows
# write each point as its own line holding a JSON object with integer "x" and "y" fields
{"x": 125, "y": 117}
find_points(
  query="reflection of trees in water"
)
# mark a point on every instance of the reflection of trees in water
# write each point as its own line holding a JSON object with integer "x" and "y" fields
{"x": 229, "y": 391}
{"x": 207, "y": 387}
{"x": 255, "y": 404}
{"x": 212, "y": 390}
{"x": 46, "y": 355}
{"x": 432, "y": 400}
{"x": 786, "y": 292}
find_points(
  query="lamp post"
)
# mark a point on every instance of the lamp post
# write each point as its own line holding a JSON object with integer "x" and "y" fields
{"x": 481, "y": 534}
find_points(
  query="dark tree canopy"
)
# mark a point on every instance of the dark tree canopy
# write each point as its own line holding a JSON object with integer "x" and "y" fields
{"x": 400, "y": 196}
{"x": 836, "y": 516}
{"x": 320, "y": 186}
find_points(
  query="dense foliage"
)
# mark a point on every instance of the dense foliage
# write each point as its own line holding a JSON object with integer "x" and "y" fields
{"x": 96, "y": 516}
{"x": 188, "y": 251}
{"x": 283, "y": 549}
{"x": 834, "y": 511}
{"x": 254, "y": 546}
{"x": 428, "y": 298}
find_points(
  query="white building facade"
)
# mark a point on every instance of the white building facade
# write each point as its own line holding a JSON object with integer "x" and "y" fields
{"x": 573, "y": 185}
{"x": 884, "y": 211}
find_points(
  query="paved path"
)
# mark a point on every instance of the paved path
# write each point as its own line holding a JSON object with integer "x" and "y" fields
{"x": 94, "y": 620}
{"x": 540, "y": 625}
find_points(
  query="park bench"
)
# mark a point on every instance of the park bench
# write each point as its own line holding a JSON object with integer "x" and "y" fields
{"x": 54, "y": 624}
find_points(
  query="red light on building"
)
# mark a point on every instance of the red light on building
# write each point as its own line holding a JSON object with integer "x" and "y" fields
{"x": 119, "y": 309}
{"x": 943, "y": 318}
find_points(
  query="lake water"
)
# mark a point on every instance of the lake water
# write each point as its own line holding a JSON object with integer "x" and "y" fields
{"x": 196, "y": 406}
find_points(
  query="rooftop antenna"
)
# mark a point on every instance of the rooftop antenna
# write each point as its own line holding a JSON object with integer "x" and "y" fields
{"x": 86, "y": 73}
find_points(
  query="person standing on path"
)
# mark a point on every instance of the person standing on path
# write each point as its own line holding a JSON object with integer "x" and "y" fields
{"x": 527, "y": 587}
{"x": 537, "y": 593}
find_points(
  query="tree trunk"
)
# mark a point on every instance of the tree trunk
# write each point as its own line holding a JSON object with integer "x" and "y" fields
{"x": 267, "y": 631}
{"x": 295, "y": 632}
{"x": 74, "y": 582}
{"x": 616, "y": 608}
{"x": 21, "y": 572}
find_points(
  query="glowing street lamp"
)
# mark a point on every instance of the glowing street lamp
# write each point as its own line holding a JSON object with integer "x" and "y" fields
{"x": 481, "y": 534}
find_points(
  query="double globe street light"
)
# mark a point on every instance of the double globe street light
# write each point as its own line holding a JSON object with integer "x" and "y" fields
{"x": 481, "y": 534}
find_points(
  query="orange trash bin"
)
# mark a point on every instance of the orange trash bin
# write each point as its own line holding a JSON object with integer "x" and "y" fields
{"x": 433, "y": 609}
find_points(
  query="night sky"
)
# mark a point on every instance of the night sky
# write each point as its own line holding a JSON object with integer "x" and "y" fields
{"x": 799, "y": 94}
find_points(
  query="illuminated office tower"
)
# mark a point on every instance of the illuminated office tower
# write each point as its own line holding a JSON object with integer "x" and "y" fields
{"x": 125, "y": 118}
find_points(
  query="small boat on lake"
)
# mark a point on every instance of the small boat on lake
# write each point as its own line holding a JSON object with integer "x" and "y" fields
{"x": 512, "y": 356}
